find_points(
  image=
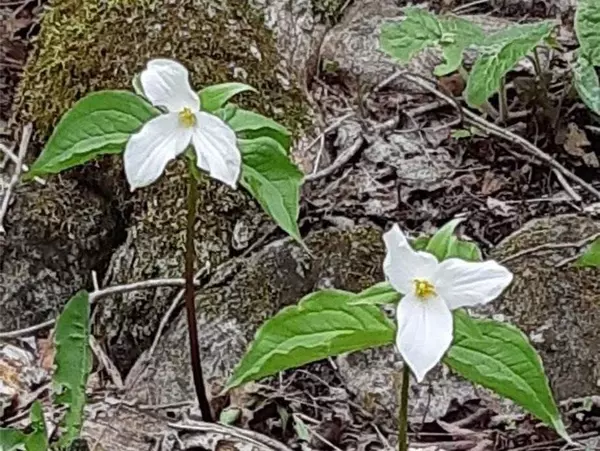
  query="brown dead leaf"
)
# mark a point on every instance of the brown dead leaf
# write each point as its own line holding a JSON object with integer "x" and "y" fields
{"x": 492, "y": 183}
{"x": 46, "y": 353}
{"x": 591, "y": 160}
{"x": 499, "y": 207}
{"x": 575, "y": 140}
{"x": 453, "y": 84}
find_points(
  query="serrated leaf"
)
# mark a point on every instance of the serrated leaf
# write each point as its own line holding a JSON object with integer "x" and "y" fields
{"x": 403, "y": 40}
{"x": 379, "y": 294}
{"x": 250, "y": 125}
{"x": 11, "y": 439}
{"x": 100, "y": 123}
{"x": 216, "y": 96}
{"x": 591, "y": 258}
{"x": 499, "y": 54}
{"x": 73, "y": 363}
{"x": 321, "y": 325}
{"x": 587, "y": 28}
{"x": 273, "y": 180}
{"x": 38, "y": 439}
{"x": 458, "y": 34}
{"x": 585, "y": 79}
{"x": 499, "y": 356}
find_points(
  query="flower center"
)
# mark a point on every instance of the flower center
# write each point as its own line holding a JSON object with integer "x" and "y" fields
{"x": 187, "y": 118}
{"x": 424, "y": 288}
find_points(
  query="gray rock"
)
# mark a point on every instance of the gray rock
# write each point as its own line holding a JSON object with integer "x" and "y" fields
{"x": 255, "y": 288}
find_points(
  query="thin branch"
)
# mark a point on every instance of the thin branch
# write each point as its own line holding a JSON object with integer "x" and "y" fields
{"x": 493, "y": 129}
{"x": 25, "y": 137}
{"x": 551, "y": 246}
{"x": 340, "y": 161}
{"x": 97, "y": 295}
{"x": 260, "y": 440}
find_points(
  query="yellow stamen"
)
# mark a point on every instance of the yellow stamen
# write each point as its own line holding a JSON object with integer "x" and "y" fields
{"x": 187, "y": 118}
{"x": 424, "y": 288}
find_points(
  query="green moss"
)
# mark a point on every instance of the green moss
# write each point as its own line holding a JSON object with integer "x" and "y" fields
{"x": 88, "y": 45}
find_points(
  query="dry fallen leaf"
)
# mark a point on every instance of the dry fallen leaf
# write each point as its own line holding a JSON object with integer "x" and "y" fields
{"x": 575, "y": 140}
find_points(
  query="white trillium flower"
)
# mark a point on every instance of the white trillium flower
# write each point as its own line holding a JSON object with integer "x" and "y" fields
{"x": 431, "y": 290}
{"x": 166, "y": 84}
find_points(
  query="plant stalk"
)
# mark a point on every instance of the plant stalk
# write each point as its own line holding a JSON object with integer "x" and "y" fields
{"x": 503, "y": 101}
{"x": 403, "y": 411}
{"x": 190, "y": 305}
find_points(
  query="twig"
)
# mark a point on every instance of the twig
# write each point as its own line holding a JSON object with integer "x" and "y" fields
{"x": 255, "y": 438}
{"x": 493, "y": 129}
{"x": 109, "y": 366}
{"x": 340, "y": 161}
{"x": 95, "y": 296}
{"x": 469, "y": 5}
{"x": 570, "y": 191}
{"x": 12, "y": 157}
{"x": 551, "y": 246}
{"x": 25, "y": 137}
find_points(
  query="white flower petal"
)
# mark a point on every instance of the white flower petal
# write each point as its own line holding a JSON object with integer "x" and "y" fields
{"x": 216, "y": 149}
{"x": 402, "y": 264}
{"x": 424, "y": 332}
{"x": 167, "y": 83}
{"x": 465, "y": 284}
{"x": 148, "y": 151}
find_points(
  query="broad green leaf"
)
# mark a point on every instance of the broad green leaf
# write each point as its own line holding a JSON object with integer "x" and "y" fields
{"x": 378, "y": 294}
{"x": 585, "y": 79}
{"x": 216, "y": 96}
{"x": 73, "y": 363}
{"x": 467, "y": 250}
{"x": 273, "y": 180}
{"x": 499, "y": 53}
{"x": 499, "y": 356}
{"x": 12, "y": 439}
{"x": 421, "y": 29}
{"x": 591, "y": 258}
{"x": 249, "y": 125}
{"x": 457, "y": 35}
{"x": 38, "y": 439}
{"x": 323, "y": 324}
{"x": 100, "y": 123}
{"x": 403, "y": 40}
{"x": 441, "y": 242}
{"x": 587, "y": 28}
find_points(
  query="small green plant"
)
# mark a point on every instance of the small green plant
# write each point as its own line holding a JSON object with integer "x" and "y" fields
{"x": 73, "y": 361}
{"x": 430, "y": 288}
{"x": 585, "y": 77}
{"x": 497, "y": 53}
{"x": 164, "y": 119}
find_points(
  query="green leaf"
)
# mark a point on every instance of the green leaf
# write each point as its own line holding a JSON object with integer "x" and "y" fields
{"x": 461, "y": 133}
{"x": 499, "y": 356}
{"x": 273, "y": 180}
{"x": 323, "y": 324}
{"x": 100, "y": 123}
{"x": 499, "y": 53}
{"x": 249, "y": 125}
{"x": 587, "y": 28}
{"x": 11, "y": 439}
{"x": 591, "y": 258}
{"x": 73, "y": 363}
{"x": 441, "y": 242}
{"x": 216, "y": 96}
{"x": 457, "y": 35}
{"x": 585, "y": 79}
{"x": 421, "y": 29}
{"x": 467, "y": 250}
{"x": 378, "y": 294}
{"x": 403, "y": 40}
{"x": 38, "y": 439}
